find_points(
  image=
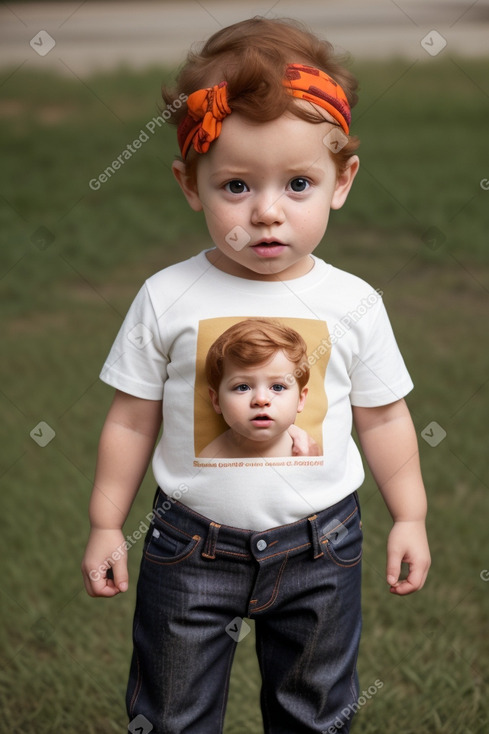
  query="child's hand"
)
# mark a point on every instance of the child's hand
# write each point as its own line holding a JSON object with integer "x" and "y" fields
{"x": 407, "y": 543}
{"x": 302, "y": 443}
{"x": 104, "y": 565}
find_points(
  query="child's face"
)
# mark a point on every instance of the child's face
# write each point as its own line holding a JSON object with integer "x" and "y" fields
{"x": 258, "y": 402}
{"x": 266, "y": 191}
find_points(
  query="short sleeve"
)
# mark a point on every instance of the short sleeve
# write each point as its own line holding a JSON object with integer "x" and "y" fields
{"x": 136, "y": 363}
{"x": 378, "y": 373}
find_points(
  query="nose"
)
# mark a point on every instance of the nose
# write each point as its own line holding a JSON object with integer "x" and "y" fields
{"x": 260, "y": 397}
{"x": 267, "y": 209}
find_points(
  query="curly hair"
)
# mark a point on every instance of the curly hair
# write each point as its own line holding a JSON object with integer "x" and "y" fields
{"x": 251, "y": 57}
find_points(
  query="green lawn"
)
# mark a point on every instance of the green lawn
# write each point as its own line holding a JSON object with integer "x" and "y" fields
{"x": 72, "y": 259}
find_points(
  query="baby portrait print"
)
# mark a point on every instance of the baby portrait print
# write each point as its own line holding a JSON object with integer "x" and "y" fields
{"x": 257, "y": 393}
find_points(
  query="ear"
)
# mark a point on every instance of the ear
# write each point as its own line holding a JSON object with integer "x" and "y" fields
{"x": 344, "y": 182}
{"x": 188, "y": 186}
{"x": 215, "y": 400}
{"x": 302, "y": 399}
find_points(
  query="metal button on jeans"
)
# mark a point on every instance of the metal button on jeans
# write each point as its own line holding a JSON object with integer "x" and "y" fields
{"x": 261, "y": 545}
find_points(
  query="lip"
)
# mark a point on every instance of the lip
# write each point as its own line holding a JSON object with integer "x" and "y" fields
{"x": 269, "y": 247}
{"x": 262, "y": 421}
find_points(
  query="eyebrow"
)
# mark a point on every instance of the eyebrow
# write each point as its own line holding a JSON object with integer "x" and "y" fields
{"x": 249, "y": 378}
{"x": 306, "y": 170}
{"x": 300, "y": 170}
{"x": 230, "y": 173}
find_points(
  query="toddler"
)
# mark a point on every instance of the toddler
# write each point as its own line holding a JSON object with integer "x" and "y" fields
{"x": 266, "y": 153}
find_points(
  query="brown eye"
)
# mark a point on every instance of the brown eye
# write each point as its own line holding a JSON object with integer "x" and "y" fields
{"x": 236, "y": 187}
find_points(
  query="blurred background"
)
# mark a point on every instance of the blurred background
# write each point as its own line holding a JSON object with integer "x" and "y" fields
{"x": 79, "y": 83}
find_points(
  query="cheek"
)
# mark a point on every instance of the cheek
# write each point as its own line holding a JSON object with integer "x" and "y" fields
{"x": 230, "y": 406}
{"x": 219, "y": 222}
{"x": 288, "y": 407}
{"x": 318, "y": 226}
{"x": 315, "y": 219}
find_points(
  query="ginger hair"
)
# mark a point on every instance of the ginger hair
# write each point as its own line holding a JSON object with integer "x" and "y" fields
{"x": 251, "y": 57}
{"x": 254, "y": 342}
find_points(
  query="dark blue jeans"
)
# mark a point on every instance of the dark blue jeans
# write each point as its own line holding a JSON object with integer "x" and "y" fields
{"x": 198, "y": 580}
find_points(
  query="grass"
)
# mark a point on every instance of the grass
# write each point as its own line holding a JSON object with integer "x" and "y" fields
{"x": 64, "y": 655}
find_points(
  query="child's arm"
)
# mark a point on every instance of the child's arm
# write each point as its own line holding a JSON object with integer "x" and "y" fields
{"x": 126, "y": 444}
{"x": 389, "y": 442}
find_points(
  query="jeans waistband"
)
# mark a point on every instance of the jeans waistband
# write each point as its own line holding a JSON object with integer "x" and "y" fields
{"x": 310, "y": 533}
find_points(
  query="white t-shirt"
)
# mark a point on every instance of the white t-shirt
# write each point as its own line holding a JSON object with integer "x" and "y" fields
{"x": 160, "y": 352}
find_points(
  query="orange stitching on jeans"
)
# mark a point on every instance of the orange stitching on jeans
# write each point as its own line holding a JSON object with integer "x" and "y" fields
{"x": 232, "y": 553}
{"x": 288, "y": 550}
{"x": 275, "y": 588}
{"x": 152, "y": 559}
{"x": 165, "y": 522}
{"x": 341, "y": 522}
{"x": 345, "y": 564}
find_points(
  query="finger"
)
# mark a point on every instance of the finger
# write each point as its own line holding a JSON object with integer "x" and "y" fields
{"x": 402, "y": 588}
{"x": 313, "y": 448}
{"x": 299, "y": 441}
{"x": 414, "y": 582}
{"x": 119, "y": 575}
{"x": 393, "y": 571}
{"x": 97, "y": 583}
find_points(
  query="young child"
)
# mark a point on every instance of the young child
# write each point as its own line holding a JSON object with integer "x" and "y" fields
{"x": 250, "y": 370}
{"x": 265, "y": 154}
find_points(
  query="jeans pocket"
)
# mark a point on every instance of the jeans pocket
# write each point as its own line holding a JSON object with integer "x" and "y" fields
{"x": 167, "y": 544}
{"x": 342, "y": 540}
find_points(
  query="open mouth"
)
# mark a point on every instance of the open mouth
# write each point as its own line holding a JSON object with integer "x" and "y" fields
{"x": 262, "y": 420}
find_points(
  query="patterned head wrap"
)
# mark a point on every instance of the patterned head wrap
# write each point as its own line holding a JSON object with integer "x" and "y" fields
{"x": 208, "y": 107}
{"x": 306, "y": 82}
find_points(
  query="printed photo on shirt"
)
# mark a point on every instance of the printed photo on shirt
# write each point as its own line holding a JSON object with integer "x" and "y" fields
{"x": 258, "y": 393}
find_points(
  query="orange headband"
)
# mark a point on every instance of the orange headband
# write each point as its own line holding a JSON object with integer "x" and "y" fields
{"x": 306, "y": 82}
{"x": 208, "y": 107}
{"x": 202, "y": 124}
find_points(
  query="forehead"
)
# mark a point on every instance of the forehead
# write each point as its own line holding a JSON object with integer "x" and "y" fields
{"x": 287, "y": 141}
{"x": 279, "y": 363}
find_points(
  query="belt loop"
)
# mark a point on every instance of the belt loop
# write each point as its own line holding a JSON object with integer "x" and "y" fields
{"x": 316, "y": 547}
{"x": 210, "y": 545}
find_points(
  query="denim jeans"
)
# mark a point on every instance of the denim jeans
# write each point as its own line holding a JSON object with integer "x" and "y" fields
{"x": 198, "y": 580}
